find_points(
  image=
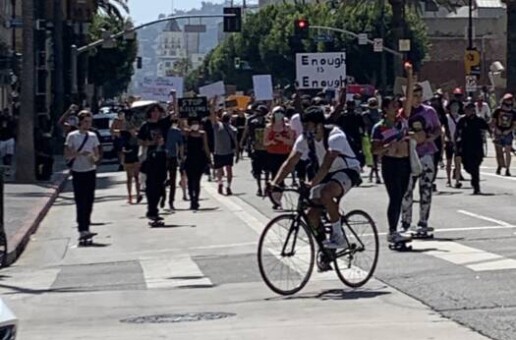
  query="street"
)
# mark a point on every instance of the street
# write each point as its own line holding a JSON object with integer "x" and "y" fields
{"x": 197, "y": 278}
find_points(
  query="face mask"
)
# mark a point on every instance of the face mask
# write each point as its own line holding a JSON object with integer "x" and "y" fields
{"x": 195, "y": 127}
{"x": 278, "y": 117}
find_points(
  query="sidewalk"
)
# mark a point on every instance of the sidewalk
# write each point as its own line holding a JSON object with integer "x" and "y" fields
{"x": 25, "y": 206}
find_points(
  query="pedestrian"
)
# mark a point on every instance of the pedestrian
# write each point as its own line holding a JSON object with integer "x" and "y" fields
{"x": 351, "y": 122}
{"x": 117, "y": 127}
{"x": 503, "y": 125}
{"x": 240, "y": 123}
{"x": 437, "y": 103}
{"x": 390, "y": 142}
{"x": 425, "y": 128}
{"x": 175, "y": 154}
{"x": 226, "y": 148}
{"x": 82, "y": 154}
{"x": 371, "y": 117}
{"x": 469, "y": 137}
{"x": 197, "y": 159}
{"x": 255, "y": 130}
{"x": 7, "y": 140}
{"x": 155, "y": 167}
{"x": 131, "y": 162}
{"x": 455, "y": 109}
{"x": 278, "y": 139}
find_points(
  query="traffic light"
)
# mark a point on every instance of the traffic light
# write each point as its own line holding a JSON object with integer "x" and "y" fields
{"x": 238, "y": 63}
{"x": 233, "y": 24}
{"x": 139, "y": 62}
{"x": 301, "y": 27}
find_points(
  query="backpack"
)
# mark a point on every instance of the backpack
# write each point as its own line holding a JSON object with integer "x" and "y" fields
{"x": 352, "y": 174}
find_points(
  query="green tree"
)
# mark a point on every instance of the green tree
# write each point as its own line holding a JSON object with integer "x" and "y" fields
{"x": 112, "y": 68}
{"x": 266, "y": 43}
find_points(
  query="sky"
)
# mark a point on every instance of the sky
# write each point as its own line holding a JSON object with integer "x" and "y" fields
{"x": 142, "y": 11}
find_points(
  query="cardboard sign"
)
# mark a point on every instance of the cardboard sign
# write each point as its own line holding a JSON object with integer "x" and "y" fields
{"x": 212, "y": 90}
{"x": 320, "y": 70}
{"x": 263, "y": 87}
{"x": 193, "y": 107}
{"x": 158, "y": 88}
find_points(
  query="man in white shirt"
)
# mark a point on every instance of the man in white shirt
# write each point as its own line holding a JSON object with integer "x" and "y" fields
{"x": 82, "y": 154}
{"x": 337, "y": 171}
{"x": 482, "y": 109}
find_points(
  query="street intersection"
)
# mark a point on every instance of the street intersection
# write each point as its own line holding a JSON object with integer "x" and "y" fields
{"x": 198, "y": 278}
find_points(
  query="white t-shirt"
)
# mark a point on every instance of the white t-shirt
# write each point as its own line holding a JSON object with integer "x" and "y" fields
{"x": 296, "y": 125}
{"x": 483, "y": 112}
{"x": 74, "y": 141}
{"x": 337, "y": 141}
{"x": 452, "y": 126}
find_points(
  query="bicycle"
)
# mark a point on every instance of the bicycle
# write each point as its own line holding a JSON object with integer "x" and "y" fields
{"x": 301, "y": 239}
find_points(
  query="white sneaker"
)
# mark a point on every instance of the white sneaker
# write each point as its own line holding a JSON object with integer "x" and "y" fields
{"x": 337, "y": 241}
{"x": 397, "y": 237}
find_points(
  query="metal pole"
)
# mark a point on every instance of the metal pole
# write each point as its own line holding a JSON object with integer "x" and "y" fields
{"x": 470, "y": 25}
{"x": 383, "y": 62}
{"x": 73, "y": 65}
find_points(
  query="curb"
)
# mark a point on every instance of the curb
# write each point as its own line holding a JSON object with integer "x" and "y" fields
{"x": 16, "y": 244}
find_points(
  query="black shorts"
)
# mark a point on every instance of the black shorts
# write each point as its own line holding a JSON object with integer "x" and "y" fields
{"x": 221, "y": 161}
{"x": 449, "y": 149}
{"x": 258, "y": 162}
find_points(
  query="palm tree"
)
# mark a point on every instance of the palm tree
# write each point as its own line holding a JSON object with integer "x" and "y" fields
{"x": 511, "y": 46}
{"x": 25, "y": 169}
{"x": 113, "y": 7}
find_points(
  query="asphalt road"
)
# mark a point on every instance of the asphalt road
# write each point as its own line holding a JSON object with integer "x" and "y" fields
{"x": 142, "y": 283}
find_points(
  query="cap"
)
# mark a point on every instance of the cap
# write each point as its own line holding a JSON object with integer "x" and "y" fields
{"x": 507, "y": 96}
{"x": 372, "y": 102}
{"x": 278, "y": 109}
{"x": 457, "y": 90}
{"x": 469, "y": 105}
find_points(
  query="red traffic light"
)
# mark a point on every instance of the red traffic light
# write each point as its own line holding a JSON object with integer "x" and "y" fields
{"x": 301, "y": 27}
{"x": 302, "y": 24}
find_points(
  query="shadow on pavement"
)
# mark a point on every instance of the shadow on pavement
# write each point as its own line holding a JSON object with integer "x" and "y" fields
{"x": 22, "y": 290}
{"x": 335, "y": 294}
{"x": 174, "y": 226}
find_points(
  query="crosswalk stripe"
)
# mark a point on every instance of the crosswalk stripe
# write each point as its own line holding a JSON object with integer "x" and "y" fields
{"x": 172, "y": 272}
{"x": 469, "y": 257}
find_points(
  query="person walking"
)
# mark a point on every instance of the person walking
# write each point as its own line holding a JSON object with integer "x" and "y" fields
{"x": 155, "y": 166}
{"x": 82, "y": 154}
{"x": 226, "y": 147}
{"x": 503, "y": 124}
{"x": 175, "y": 154}
{"x": 131, "y": 163}
{"x": 390, "y": 142}
{"x": 469, "y": 138}
{"x": 197, "y": 159}
{"x": 371, "y": 117}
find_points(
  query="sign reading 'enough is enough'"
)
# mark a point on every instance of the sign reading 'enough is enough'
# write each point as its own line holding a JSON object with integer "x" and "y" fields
{"x": 320, "y": 70}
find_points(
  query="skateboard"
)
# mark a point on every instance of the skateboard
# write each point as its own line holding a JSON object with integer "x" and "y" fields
{"x": 85, "y": 241}
{"x": 156, "y": 223}
{"x": 425, "y": 235}
{"x": 400, "y": 246}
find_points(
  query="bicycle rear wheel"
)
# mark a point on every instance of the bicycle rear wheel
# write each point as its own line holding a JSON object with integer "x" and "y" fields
{"x": 356, "y": 265}
{"x": 286, "y": 254}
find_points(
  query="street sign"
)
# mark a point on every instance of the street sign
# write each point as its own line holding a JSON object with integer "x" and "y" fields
{"x": 14, "y": 23}
{"x": 378, "y": 45}
{"x": 472, "y": 62}
{"x": 193, "y": 107}
{"x": 189, "y": 28}
{"x": 362, "y": 38}
{"x": 404, "y": 45}
{"x": 471, "y": 83}
{"x": 323, "y": 38}
{"x": 320, "y": 70}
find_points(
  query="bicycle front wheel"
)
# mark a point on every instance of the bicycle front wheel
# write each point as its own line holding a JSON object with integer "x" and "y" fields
{"x": 356, "y": 265}
{"x": 286, "y": 254}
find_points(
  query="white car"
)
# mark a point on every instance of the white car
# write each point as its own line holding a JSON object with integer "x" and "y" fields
{"x": 102, "y": 122}
{"x": 8, "y": 322}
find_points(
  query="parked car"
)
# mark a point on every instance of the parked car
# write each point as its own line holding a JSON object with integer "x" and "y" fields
{"x": 8, "y": 322}
{"x": 102, "y": 122}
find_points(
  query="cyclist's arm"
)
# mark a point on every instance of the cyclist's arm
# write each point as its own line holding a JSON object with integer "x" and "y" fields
{"x": 287, "y": 167}
{"x": 325, "y": 167}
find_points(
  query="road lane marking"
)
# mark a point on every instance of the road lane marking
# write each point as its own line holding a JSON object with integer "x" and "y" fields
{"x": 485, "y": 218}
{"x": 497, "y": 176}
{"x": 469, "y": 257}
{"x": 172, "y": 272}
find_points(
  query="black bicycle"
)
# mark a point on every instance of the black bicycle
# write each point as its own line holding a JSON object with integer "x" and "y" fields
{"x": 286, "y": 250}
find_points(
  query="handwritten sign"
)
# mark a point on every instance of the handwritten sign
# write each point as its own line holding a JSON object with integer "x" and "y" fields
{"x": 159, "y": 88}
{"x": 320, "y": 70}
{"x": 193, "y": 107}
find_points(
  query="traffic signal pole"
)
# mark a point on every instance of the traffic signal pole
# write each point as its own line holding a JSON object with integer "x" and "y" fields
{"x": 76, "y": 51}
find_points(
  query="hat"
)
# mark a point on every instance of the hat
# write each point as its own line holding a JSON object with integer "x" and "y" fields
{"x": 469, "y": 105}
{"x": 278, "y": 109}
{"x": 372, "y": 102}
{"x": 507, "y": 96}
{"x": 457, "y": 90}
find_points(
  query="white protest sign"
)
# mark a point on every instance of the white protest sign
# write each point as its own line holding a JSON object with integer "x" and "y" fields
{"x": 471, "y": 83}
{"x": 263, "y": 87}
{"x": 212, "y": 90}
{"x": 320, "y": 70}
{"x": 158, "y": 88}
{"x": 427, "y": 90}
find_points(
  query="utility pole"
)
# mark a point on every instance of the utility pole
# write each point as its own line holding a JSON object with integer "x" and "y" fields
{"x": 25, "y": 157}
{"x": 58, "y": 81}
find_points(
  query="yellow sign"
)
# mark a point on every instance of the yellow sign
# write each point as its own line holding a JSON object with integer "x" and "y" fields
{"x": 472, "y": 62}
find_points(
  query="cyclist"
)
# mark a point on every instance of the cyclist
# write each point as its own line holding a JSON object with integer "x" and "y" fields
{"x": 336, "y": 170}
